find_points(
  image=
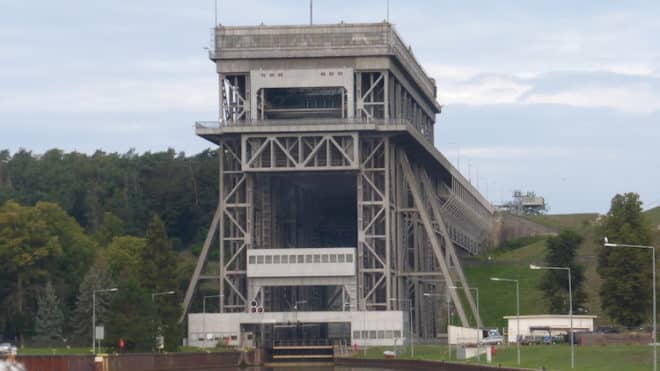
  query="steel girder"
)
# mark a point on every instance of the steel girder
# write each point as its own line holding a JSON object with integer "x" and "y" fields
{"x": 287, "y": 152}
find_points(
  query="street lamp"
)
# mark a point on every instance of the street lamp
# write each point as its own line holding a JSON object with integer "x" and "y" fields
{"x": 570, "y": 305}
{"x": 410, "y": 324}
{"x": 655, "y": 348}
{"x": 517, "y": 312}
{"x": 94, "y": 315}
{"x": 153, "y": 295}
{"x": 428, "y": 295}
{"x": 153, "y": 299}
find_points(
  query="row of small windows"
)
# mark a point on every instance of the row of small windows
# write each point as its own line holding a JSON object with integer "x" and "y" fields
{"x": 299, "y": 259}
{"x": 377, "y": 334}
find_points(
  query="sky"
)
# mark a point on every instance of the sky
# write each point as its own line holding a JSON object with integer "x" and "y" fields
{"x": 557, "y": 97}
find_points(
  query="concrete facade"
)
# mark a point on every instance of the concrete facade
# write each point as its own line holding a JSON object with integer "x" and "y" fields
{"x": 557, "y": 324}
{"x": 367, "y": 328}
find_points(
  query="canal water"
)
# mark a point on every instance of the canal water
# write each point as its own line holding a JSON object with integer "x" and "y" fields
{"x": 329, "y": 368}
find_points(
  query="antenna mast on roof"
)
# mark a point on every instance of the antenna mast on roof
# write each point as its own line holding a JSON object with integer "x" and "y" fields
{"x": 215, "y": 13}
{"x": 388, "y": 11}
{"x": 311, "y": 7}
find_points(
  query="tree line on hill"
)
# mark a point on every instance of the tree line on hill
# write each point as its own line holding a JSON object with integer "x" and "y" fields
{"x": 72, "y": 223}
{"x": 626, "y": 273}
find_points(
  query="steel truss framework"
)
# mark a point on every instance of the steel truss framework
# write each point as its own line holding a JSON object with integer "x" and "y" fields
{"x": 404, "y": 215}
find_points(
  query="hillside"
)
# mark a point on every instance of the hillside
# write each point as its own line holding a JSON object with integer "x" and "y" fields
{"x": 498, "y": 298}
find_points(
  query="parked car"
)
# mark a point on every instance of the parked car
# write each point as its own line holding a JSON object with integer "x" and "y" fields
{"x": 492, "y": 337}
{"x": 607, "y": 330}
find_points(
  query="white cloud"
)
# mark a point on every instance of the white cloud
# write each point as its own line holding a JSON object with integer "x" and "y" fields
{"x": 511, "y": 152}
{"x": 626, "y": 87}
{"x": 116, "y": 96}
{"x": 632, "y": 99}
{"x": 490, "y": 90}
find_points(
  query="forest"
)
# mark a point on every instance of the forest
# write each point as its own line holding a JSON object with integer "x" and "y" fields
{"x": 71, "y": 223}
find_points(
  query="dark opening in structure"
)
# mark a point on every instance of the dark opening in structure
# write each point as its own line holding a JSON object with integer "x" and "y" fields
{"x": 296, "y": 103}
{"x": 305, "y": 210}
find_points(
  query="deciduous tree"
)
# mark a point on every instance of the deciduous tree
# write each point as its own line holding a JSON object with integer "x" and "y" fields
{"x": 626, "y": 272}
{"x": 561, "y": 252}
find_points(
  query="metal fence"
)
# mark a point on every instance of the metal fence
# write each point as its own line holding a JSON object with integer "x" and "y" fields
{"x": 337, "y": 121}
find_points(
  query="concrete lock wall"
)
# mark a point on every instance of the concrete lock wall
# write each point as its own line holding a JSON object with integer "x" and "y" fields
{"x": 367, "y": 327}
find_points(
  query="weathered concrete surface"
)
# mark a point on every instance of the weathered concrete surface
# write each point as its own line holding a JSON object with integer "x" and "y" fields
{"x": 402, "y": 364}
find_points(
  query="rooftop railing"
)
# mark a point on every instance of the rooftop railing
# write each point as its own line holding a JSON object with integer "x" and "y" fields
{"x": 337, "y": 40}
{"x": 294, "y": 122}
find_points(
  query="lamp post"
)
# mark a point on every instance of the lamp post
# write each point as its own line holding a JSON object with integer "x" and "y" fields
{"x": 653, "y": 338}
{"x": 570, "y": 305}
{"x": 410, "y": 324}
{"x": 428, "y": 295}
{"x": 94, "y": 315}
{"x": 153, "y": 295}
{"x": 153, "y": 300}
{"x": 517, "y": 312}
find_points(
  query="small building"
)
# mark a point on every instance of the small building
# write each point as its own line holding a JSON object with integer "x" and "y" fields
{"x": 547, "y": 324}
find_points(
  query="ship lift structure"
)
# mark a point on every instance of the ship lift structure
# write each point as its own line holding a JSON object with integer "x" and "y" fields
{"x": 336, "y": 212}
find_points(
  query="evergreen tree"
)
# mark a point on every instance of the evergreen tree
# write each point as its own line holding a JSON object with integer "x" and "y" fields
{"x": 158, "y": 274}
{"x": 96, "y": 278}
{"x": 561, "y": 252}
{"x": 626, "y": 272}
{"x": 49, "y": 320}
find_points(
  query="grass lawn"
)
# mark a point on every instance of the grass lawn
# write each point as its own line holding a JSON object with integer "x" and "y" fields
{"x": 587, "y": 358}
{"x": 577, "y": 222}
{"x": 498, "y": 299}
{"x": 548, "y": 357}
{"x": 58, "y": 351}
{"x": 434, "y": 352}
{"x": 87, "y": 351}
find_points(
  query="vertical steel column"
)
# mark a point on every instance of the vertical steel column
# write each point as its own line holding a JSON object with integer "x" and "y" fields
{"x": 388, "y": 222}
{"x": 221, "y": 224}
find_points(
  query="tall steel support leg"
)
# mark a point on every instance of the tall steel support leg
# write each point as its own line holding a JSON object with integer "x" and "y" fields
{"x": 449, "y": 245}
{"x": 413, "y": 185}
{"x": 236, "y": 227}
{"x": 374, "y": 286}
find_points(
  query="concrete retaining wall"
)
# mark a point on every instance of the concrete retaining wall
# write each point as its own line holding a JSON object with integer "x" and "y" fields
{"x": 139, "y": 362}
{"x": 401, "y": 364}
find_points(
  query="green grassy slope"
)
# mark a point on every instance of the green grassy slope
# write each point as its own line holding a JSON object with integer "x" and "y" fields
{"x": 577, "y": 222}
{"x": 499, "y": 297}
